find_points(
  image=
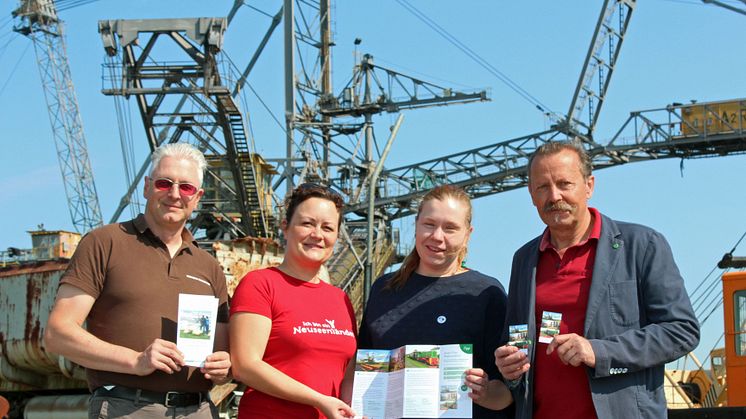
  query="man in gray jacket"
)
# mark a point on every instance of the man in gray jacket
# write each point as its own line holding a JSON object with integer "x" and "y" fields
{"x": 621, "y": 303}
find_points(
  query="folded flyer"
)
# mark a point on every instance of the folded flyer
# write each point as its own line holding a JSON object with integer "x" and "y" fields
{"x": 413, "y": 381}
{"x": 196, "y": 323}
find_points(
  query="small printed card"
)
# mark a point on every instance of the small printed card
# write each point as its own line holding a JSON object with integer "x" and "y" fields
{"x": 519, "y": 337}
{"x": 196, "y": 323}
{"x": 550, "y": 324}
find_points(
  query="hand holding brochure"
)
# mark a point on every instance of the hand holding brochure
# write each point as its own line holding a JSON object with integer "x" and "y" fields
{"x": 413, "y": 381}
{"x": 196, "y": 324}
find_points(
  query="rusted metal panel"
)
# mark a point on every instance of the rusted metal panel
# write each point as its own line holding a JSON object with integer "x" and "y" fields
{"x": 57, "y": 407}
{"x": 27, "y": 293}
{"x": 221, "y": 392}
{"x": 241, "y": 256}
{"x": 54, "y": 244}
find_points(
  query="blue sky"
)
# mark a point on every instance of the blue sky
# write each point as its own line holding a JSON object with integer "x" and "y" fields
{"x": 675, "y": 51}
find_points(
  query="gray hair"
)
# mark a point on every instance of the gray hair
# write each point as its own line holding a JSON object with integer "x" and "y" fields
{"x": 554, "y": 147}
{"x": 179, "y": 151}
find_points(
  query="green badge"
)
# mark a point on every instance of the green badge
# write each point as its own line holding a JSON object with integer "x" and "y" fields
{"x": 615, "y": 245}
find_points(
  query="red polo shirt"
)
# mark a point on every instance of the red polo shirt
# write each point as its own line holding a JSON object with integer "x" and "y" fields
{"x": 562, "y": 286}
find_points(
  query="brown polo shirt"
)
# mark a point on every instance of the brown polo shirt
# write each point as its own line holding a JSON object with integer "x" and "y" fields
{"x": 136, "y": 284}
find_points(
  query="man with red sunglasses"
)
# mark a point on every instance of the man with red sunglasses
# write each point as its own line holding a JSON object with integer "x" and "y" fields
{"x": 125, "y": 280}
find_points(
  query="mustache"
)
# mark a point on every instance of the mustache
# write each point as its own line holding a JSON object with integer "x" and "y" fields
{"x": 559, "y": 206}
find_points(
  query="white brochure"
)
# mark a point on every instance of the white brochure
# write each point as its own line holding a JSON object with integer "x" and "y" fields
{"x": 413, "y": 381}
{"x": 196, "y": 324}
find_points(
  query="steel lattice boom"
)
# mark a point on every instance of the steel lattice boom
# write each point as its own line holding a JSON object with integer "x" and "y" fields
{"x": 598, "y": 68}
{"x": 233, "y": 205}
{"x": 39, "y": 22}
{"x": 681, "y": 131}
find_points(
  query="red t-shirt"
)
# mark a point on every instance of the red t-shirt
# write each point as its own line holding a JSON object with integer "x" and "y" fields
{"x": 312, "y": 337}
{"x": 563, "y": 286}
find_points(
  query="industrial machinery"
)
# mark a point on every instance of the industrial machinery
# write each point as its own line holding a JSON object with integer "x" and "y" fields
{"x": 716, "y": 117}
{"x": 38, "y": 21}
{"x": 720, "y": 391}
{"x": 734, "y": 323}
{"x": 194, "y": 100}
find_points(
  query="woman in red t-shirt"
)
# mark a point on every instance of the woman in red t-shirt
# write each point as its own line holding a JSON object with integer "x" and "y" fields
{"x": 292, "y": 334}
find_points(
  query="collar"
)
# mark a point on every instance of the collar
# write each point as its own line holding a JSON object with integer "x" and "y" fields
{"x": 187, "y": 239}
{"x": 546, "y": 243}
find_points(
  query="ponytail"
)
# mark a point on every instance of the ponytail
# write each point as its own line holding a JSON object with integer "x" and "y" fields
{"x": 411, "y": 262}
{"x": 462, "y": 257}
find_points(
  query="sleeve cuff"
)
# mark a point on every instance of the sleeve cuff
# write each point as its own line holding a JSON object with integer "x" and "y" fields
{"x": 513, "y": 384}
{"x": 603, "y": 363}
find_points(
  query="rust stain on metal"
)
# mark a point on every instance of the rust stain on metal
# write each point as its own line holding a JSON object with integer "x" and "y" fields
{"x": 33, "y": 267}
{"x": 33, "y": 294}
{"x": 239, "y": 256}
{"x": 260, "y": 245}
{"x": 27, "y": 292}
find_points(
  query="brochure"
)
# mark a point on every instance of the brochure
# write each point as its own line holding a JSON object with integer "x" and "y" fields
{"x": 413, "y": 381}
{"x": 196, "y": 323}
{"x": 518, "y": 336}
{"x": 550, "y": 325}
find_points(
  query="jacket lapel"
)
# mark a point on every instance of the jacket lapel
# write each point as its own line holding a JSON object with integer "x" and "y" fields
{"x": 608, "y": 251}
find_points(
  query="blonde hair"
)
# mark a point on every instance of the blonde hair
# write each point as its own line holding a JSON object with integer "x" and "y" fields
{"x": 412, "y": 261}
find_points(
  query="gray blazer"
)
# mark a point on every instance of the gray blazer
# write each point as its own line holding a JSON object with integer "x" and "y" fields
{"x": 639, "y": 317}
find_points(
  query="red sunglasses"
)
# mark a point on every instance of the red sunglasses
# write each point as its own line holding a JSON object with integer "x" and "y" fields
{"x": 185, "y": 189}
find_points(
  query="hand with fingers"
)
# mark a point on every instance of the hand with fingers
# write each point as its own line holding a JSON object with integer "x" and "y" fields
{"x": 217, "y": 367}
{"x": 476, "y": 379}
{"x": 511, "y": 362}
{"x": 333, "y": 408}
{"x": 161, "y": 355}
{"x": 573, "y": 349}
{"x": 493, "y": 395}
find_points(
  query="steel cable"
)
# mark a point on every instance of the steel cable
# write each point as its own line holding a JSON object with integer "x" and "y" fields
{"x": 477, "y": 58}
